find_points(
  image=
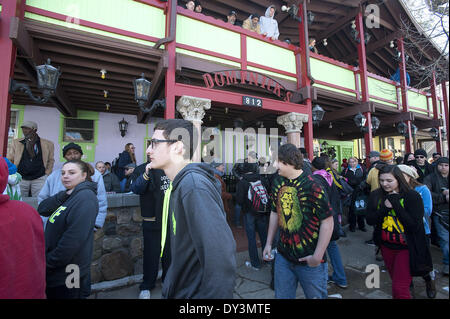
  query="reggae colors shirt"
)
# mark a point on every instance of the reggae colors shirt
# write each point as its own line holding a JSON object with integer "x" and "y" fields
{"x": 301, "y": 204}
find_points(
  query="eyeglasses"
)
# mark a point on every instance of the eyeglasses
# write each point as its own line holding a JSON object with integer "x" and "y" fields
{"x": 419, "y": 156}
{"x": 155, "y": 142}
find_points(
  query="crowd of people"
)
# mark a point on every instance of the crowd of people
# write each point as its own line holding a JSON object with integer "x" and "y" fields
{"x": 261, "y": 24}
{"x": 297, "y": 208}
{"x": 406, "y": 203}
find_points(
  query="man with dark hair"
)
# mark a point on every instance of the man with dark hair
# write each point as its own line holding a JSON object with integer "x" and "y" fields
{"x": 232, "y": 17}
{"x": 307, "y": 169}
{"x": 301, "y": 209}
{"x": 33, "y": 157}
{"x": 436, "y": 156}
{"x": 239, "y": 170}
{"x": 423, "y": 167}
{"x": 203, "y": 250}
{"x": 437, "y": 182}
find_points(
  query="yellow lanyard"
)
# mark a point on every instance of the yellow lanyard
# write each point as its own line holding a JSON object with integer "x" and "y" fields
{"x": 165, "y": 216}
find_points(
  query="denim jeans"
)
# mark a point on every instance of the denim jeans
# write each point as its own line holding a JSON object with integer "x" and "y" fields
{"x": 237, "y": 215}
{"x": 253, "y": 224}
{"x": 288, "y": 275}
{"x": 442, "y": 234}
{"x": 338, "y": 275}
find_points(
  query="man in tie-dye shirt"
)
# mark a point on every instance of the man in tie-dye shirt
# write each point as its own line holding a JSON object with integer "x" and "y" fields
{"x": 302, "y": 210}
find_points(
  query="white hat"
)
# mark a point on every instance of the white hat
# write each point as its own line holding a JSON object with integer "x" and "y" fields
{"x": 408, "y": 170}
{"x": 30, "y": 124}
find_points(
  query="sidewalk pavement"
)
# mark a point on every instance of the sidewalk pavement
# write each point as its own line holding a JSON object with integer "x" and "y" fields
{"x": 356, "y": 255}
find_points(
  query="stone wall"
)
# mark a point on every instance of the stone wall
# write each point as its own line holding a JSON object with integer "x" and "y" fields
{"x": 118, "y": 246}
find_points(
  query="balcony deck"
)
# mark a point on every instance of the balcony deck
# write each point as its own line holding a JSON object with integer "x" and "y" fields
{"x": 229, "y": 47}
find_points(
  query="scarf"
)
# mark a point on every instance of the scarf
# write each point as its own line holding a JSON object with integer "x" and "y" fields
{"x": 31, "y": 144}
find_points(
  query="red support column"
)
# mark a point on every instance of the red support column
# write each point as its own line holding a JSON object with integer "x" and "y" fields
{"x": 169, "y": 112}
{"x": 305, "y": 77}
{"x": 434, "y": 100}
{"x": 368, "y": 141}
{"x": 10, "y": 8}
{"x": 445, "y": 97}
{"x": 404, "y": 90}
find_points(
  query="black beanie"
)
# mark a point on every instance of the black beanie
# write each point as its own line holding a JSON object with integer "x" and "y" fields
{"x": 421, "y": 151}
{"x": 72, "y": 146}
{"x": 442, "y": 160}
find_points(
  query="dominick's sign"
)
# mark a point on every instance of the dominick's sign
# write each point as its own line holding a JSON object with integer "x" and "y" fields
{"x": 245, "y": 77}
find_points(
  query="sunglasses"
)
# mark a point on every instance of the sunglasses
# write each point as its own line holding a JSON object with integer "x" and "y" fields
{"x": 419, "y": 156}
{"x": 155, "y": 142}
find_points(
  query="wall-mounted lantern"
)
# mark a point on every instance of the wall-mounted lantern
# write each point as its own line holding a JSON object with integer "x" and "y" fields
{"x": 47, "y": 78}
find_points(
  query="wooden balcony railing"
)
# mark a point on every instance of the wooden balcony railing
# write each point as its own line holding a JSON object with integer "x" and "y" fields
{"x": 205, "y": 37}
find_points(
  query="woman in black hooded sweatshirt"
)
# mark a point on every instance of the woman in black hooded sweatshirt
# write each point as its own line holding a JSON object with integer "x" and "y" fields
{"x": 69, "y": 234}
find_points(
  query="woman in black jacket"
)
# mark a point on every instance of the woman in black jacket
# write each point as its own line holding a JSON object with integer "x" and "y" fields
{"x": 355, "y": 175}
{"x": 69, "y": 233}
{"x": 396, "y": 211}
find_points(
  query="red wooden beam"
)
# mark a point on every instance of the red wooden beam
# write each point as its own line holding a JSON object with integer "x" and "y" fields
{"x": 232, "y": 98}
{"x": 445, "y": 97}
{"x": 363, "y": 74}
{"x": 10, "y": 9}
{"x": 169, "y": 112}
{"x": 435, "y": 111}
{"x": 404, "y": 90}
{"x": 306, "y": 76}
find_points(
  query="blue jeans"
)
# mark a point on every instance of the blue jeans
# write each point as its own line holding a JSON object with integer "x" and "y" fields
{"x": 288, "y": 275}
{"x": 338, "y": 275}
{"x": 237, "y": 214}
{"x": 252, "y": 225}
{"x": 442, "y": 234}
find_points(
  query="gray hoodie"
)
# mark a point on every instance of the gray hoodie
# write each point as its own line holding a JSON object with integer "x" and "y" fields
{"x": 269, "y": 25}
{"x": 203, "y": 249}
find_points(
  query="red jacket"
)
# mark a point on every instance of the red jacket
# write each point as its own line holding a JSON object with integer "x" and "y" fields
{"x": 22, "y": 247}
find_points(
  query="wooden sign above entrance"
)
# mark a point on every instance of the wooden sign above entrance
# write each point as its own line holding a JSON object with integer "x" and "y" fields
{"x": 246, "y": 77}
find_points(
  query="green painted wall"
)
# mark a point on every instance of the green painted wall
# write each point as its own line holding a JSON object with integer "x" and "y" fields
{"x": 88, "y": 148}
{"x": 333, "y": 74}
{"x": 344, "y": 149}
{"x": 270, "y": 55}
{"x": 383, "y": 90}
{"x": 122, "y": 14}
{"x": 419, "y": 101}
{"x": 210, "y": 38}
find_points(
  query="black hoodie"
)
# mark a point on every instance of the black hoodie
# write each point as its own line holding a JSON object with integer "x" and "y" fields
{"x": 203, "y": 249}
{"x": 69, "y": 232}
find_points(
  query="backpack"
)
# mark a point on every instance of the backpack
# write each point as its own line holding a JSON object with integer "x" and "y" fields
{"x": 258, "y": 198}
{"x": 115, "y": 165}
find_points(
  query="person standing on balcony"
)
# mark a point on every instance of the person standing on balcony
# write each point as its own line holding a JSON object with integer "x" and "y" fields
{"x": 269, "y": 26}
{"x": 312, "y": 45}
{"x": 198, "y": 7}
{"x": 190, "y": 5}
{"x": 252, "y": 23}
{"x": 232, "y": 18}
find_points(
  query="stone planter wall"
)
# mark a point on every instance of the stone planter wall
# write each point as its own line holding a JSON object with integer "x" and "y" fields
{"x": 118, "y": 246}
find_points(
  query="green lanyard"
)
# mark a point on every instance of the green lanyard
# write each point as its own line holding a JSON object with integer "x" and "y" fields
{"x": 165, "y": 217}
